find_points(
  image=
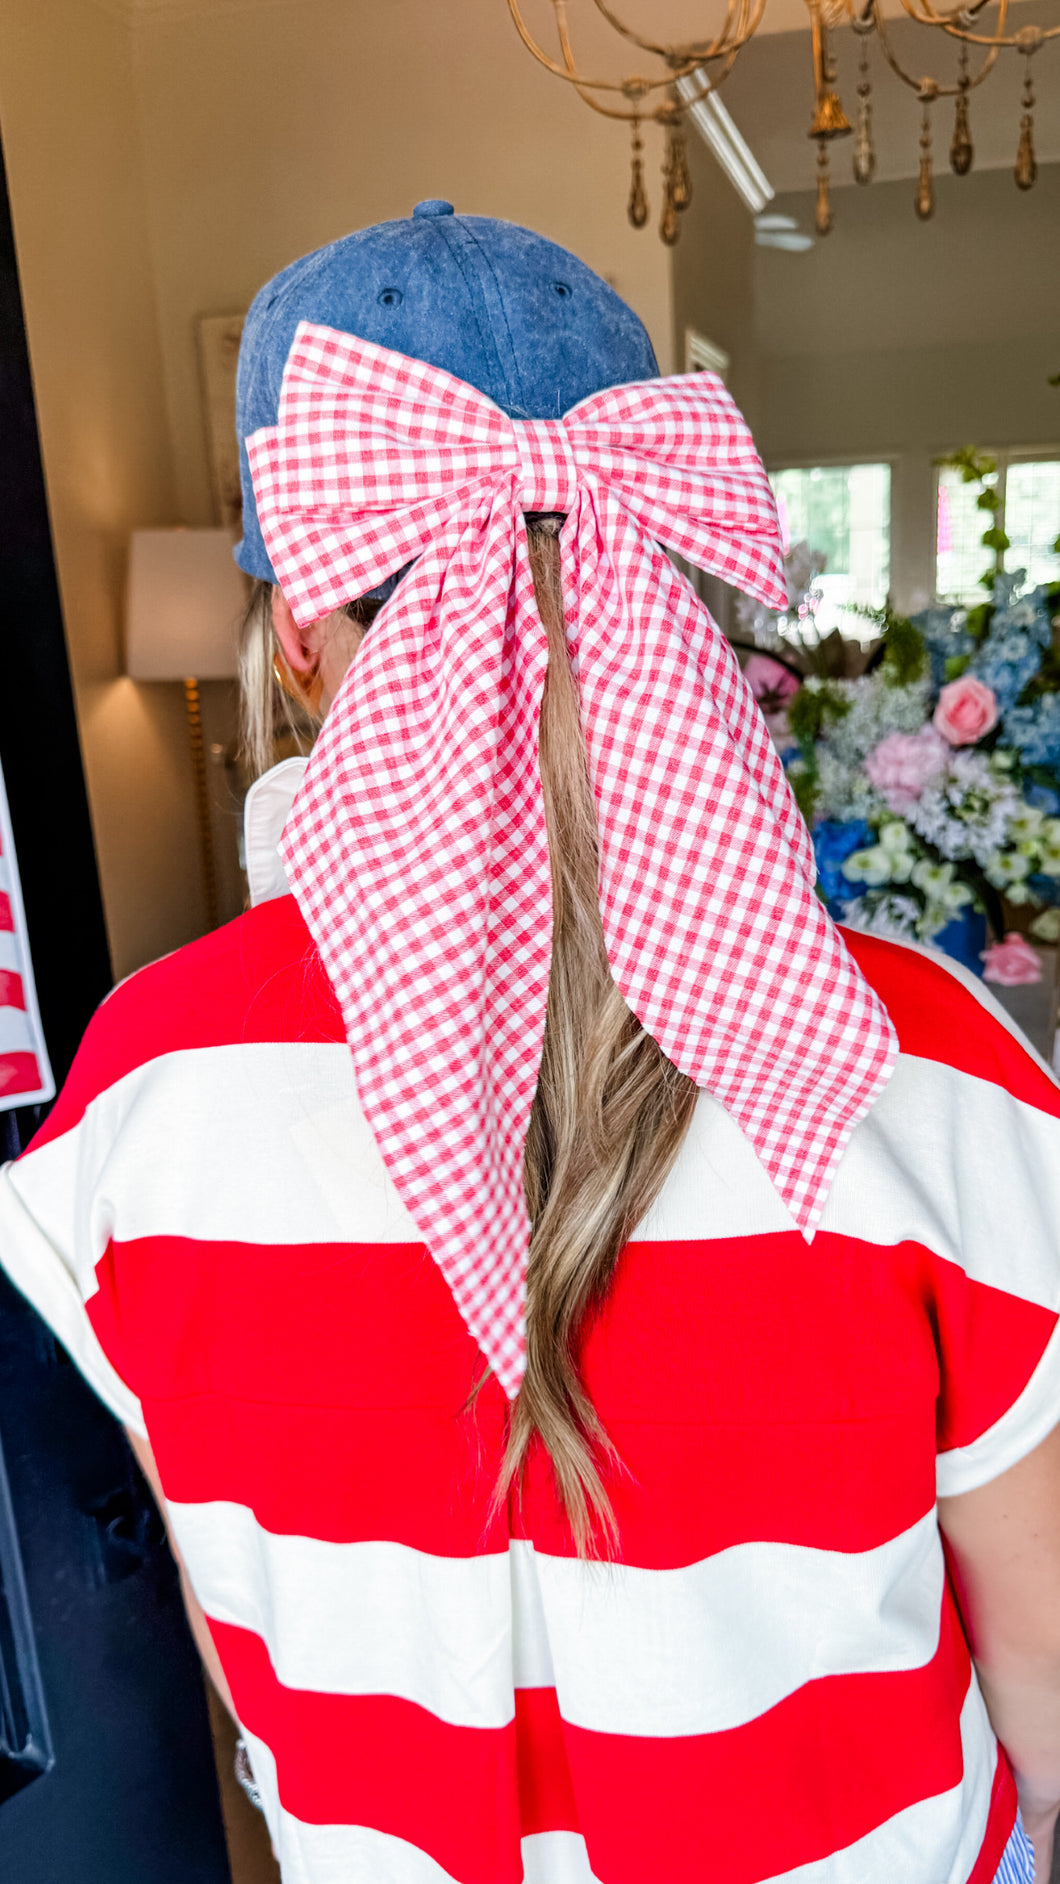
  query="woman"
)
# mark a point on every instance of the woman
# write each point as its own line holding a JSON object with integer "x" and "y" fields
{"x": 545, "y": 1270}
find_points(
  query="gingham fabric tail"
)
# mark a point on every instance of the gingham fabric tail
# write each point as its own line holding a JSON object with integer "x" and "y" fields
{"x": 417, "y": 846}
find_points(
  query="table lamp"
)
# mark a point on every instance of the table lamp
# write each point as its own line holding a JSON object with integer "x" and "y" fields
{"x": 184, "y": 603}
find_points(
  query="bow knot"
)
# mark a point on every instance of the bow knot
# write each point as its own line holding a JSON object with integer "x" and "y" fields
{"x": 417, "y": 847}
{"x": 548, "y": 474}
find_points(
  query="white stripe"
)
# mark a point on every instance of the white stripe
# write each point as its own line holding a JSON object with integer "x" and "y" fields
{"x": 10, "y": 957}
{"x": 365, "y": 1618}
{"x": 41, "y": 1271}
{"x": 944, "y": 1159}
{"x": 16, "y": 1034}
{"x": 557, "y": 1858}
{"x": 697, "y": 1650}
{"x": 250, "y": 1143}
{"x": 935, "y": 1841}
{"x": 274, "y": 1149}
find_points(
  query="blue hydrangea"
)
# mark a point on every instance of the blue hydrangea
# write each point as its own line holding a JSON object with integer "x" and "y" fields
{"x": 1042, "y": 798}
{"x": 1035, "y": 731}
{"x": 1012, "y": 652}
{"x": 833, "y": 842}
{"x": 946, "y": 637}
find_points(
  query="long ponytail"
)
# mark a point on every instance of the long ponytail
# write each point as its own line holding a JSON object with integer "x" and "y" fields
{"x": 610, "y": 1110}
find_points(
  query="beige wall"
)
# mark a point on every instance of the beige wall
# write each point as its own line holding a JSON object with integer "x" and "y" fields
{"x": 714, "y": 276}
{"x": 165, "y": 157}
{"x": 262, "y": 142}
{"x": 908, "y": 339}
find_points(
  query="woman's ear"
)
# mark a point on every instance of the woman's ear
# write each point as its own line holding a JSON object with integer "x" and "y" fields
{"x": 302, "y": 647}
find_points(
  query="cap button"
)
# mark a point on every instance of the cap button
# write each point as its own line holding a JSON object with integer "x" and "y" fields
{"x": 434, "y": 206}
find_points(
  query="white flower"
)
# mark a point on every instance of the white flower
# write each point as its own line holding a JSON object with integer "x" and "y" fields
{"x": 1004, "y": 868}
{"x": 896, "y": 842}
{"x": 1026, "y": 826}
{"x": 1047, "y": 926}
{"x": 943, "y": 892}
{"x": 969, "y": 812}
{"x": 868, "y": 866}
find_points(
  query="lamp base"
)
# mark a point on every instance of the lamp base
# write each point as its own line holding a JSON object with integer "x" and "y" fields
{"x": 202, "y": 802}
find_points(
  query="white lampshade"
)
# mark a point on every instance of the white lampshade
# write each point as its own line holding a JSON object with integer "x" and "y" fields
{"x": 185, "y": 601}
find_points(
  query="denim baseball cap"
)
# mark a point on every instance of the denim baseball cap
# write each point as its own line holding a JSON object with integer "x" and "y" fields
{"x": 497, "y": 306}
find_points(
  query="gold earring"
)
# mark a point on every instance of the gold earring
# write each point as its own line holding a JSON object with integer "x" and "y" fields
{"x": 304, "y": 691}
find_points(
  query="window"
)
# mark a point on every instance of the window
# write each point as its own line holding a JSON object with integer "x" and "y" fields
{"x": 1029, "y": 514}
{"x": 844, "y": 512}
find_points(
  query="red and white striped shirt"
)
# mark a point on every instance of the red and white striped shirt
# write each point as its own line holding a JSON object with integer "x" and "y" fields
{"x": 431, "y": 1695}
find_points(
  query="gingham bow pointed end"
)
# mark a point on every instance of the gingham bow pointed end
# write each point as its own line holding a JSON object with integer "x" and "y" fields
{"x": 417, "y": 845}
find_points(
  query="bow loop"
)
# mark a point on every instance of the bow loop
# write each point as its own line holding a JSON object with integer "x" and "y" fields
{"x": 418, "y": 844}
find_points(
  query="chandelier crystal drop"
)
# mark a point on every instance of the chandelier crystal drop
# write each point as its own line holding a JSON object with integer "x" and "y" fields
{"x": 682, "y": 75}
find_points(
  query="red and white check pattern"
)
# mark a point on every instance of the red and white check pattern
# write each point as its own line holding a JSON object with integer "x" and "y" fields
{"x": 417, "y": 845}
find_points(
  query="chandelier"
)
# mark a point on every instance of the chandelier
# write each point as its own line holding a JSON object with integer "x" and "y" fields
{"x": 686, "y": 73}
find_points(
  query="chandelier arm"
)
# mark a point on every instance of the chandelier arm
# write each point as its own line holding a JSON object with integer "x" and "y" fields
{"x": 643, "y": 85}
{"x": 925, "y": 14}
{"x": 693, "y": 54}
{"x": 682, "y": 70}
{"x": 999, "y": 43}
{"x": 915, "y": 84}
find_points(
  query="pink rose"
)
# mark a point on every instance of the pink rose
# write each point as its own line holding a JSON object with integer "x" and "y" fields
{"x": 771, "y": 683}
{"x": 904, "y": 763}
{"x": 966, "y": 710}
{"x": 1012, "y": 963}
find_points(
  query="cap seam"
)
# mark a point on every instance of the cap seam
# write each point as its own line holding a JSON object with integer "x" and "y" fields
{"x": 474, "y": 291}
{"x": 487, "y": 263}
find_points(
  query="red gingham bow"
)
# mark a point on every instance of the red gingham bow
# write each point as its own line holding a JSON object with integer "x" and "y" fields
{"x": 417, "y": 846}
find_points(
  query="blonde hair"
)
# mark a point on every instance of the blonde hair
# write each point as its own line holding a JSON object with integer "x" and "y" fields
{"x": 610, "y": 1110}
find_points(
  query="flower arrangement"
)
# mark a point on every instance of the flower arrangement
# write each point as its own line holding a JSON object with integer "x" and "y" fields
{"x": 931, "y": 781}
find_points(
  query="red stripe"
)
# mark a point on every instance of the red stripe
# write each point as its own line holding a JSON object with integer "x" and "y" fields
{"x": 938, "y": 1019}
{"x": 999, "y": 1826}
{"x": 7, "y": 920}
{"x": 19, "y": 1072}
{"x": 257, "y": 979}
{"x": 12, "y": 993}
{"x": 378, "y": 1761}
{"x": 814, "y": 1774}
{"x": 750, "y": 1388}
{"x": 546, "y": 1789}
{"x": 261, "y": 979}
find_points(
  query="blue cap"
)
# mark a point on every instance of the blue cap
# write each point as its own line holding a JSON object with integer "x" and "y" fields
{"x": 493, "y": 304}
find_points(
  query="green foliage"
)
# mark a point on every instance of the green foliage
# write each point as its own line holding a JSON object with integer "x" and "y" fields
{"x": 978, "y": 619}
{"x": 809, "y": 712}
{"x": 803, "y": 782}
{"x": 995, "y": 539}
{"x": 974, "y": 466}
{"x": 905, "y": 655}
{"x": 956, "y": 666}
{"x": 989, "y": 498}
